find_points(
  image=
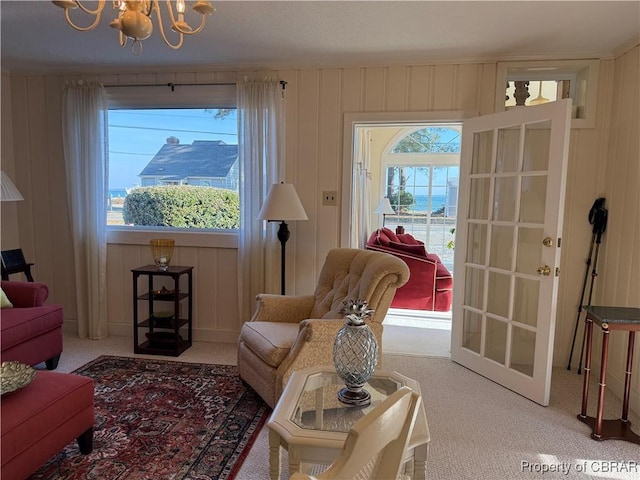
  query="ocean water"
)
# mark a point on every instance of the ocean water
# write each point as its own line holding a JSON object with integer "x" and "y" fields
{"x": 116, "y": 193}
{"x": 420, "y": 202}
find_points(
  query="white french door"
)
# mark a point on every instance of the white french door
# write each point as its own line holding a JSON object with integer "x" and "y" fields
{"x": 508, "y": 238}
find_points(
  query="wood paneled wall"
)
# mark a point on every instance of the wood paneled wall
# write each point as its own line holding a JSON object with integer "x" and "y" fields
{"x": 619, "y": 180}
{"x": 603, "y": 161}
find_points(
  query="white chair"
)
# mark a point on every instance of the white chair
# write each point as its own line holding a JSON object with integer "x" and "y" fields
{"x": 376, "y": 444}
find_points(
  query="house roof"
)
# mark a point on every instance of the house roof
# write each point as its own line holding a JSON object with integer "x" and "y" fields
{"x": 203, "y": 158}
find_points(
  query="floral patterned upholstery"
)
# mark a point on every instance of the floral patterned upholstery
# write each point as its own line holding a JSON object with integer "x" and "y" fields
{"x": 292, "y": 332}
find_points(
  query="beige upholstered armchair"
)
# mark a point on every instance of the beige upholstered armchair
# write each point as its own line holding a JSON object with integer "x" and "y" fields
{"x": 288, "y": 333}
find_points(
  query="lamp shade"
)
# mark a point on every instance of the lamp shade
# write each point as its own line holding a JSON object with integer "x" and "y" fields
{"x": 384, "y": 207}
{"x": 282, "y": 203}
{"x": 8, "y": 190}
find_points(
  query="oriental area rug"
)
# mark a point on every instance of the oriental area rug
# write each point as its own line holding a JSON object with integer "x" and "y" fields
{"x": 158, "y": 419}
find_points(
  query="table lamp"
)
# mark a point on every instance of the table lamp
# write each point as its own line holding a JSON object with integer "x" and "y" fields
{"x": 8, "y": 190}
{"x": 384, "y": 208}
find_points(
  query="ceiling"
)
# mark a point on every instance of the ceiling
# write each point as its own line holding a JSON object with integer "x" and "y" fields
{"x": 299, "y": 34}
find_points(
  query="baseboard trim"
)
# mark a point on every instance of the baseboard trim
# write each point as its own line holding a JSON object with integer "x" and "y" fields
{"x": 125, "y": 330}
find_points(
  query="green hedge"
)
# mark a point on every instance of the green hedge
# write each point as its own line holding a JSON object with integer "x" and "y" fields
{"x": 182, "y": 206}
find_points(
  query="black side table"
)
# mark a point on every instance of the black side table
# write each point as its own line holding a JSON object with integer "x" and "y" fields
{"x": 609, "y": 319}
{"x": 162, "y": 328}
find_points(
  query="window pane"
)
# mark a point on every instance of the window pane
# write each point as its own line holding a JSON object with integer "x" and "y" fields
{"x": 425, "y": 200}
{"x": 173, "y": 167}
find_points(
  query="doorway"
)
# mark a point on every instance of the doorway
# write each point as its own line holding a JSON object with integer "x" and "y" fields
{"x": 416, "y": 166}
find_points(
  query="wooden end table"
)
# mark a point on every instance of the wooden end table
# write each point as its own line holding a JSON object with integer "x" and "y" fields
{"x": 165, "y": 327}
{"x": 312, "y": 424}
{"x": 609, "y": 319}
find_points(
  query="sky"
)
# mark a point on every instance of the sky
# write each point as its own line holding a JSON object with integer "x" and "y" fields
{"x": 135, "y": 136}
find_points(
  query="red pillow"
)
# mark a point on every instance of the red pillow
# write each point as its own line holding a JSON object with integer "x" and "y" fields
{"x": 385, "y": 236}
{"x": 408, "y": 239}
{"x": 414, "y": 249}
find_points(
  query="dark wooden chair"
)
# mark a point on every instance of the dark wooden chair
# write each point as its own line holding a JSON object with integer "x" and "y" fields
{"x": 13, "y": 261}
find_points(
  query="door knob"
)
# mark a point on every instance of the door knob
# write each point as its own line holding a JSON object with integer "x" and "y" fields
{"x": 545, "y": 270}
{"x": 547, "y": 242}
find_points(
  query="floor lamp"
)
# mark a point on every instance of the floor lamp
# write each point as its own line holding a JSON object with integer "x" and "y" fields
{"x": 282, "y": 204}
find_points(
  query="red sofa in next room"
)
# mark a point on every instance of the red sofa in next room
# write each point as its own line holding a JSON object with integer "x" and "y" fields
{"x": 430, "y": 284}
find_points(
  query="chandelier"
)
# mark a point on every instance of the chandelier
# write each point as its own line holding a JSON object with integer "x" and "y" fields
{"x": 134, "y": 19}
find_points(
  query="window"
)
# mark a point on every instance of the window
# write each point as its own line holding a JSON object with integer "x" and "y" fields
{"x": 173, "y": 158}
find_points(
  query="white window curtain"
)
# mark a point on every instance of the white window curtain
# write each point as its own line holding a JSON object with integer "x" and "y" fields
{"x": 361, "y": 188}
{"x": 84, "y": 122}
{"x": 260, "y": 133}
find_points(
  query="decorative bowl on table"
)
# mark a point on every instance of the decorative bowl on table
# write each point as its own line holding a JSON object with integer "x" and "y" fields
{"x": 162, "y": 319}
{"x": 163, "y": 293}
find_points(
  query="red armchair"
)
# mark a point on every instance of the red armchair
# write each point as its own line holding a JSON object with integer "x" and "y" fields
{"x": 430, "y": 284}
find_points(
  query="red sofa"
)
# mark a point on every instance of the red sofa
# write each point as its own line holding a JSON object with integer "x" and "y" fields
{"x": 430, "y": 284}
{"x": 30, "y": 332}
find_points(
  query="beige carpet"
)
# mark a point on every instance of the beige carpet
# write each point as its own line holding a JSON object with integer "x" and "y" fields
{"x": 482, "y": 431}
{"x": 420, "y": 342}
{"x": 479, "y": 430}
{"x": 417, "y": 333}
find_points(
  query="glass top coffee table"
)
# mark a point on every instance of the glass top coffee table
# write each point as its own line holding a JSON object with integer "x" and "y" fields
{"x": 312, "y": 424}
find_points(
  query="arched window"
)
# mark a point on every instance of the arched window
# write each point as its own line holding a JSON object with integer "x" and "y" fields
{"x": 430, "y": 140}
{"x": 420, "y": 178}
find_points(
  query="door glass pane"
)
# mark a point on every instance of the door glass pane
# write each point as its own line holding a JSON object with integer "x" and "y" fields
{"x": 476, "y": 244}
{"x": 529, "y": 256}
{"x": 474, "y": 288}
{"x": 482, "y": 146}
{"x": 501, "y": 247}
{"x": 471, "y": 330}
{"x": 495, "y": 345}
{"x": 525, "y": 302}
{"x": 533, "y": 199}
{"x": 498, "y": 299}
{"x": 479, "y": 199}
{"x": 504, "y": 208}
{"x": 537, "y": 139}
{"x": 508, "y": 150}
{"x": 523, "y": 343}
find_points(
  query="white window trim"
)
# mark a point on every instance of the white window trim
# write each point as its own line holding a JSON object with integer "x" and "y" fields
{"x": 199, "y": 238}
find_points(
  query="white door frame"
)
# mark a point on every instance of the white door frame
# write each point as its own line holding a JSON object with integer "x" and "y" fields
{"x": 351, "y": 120}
